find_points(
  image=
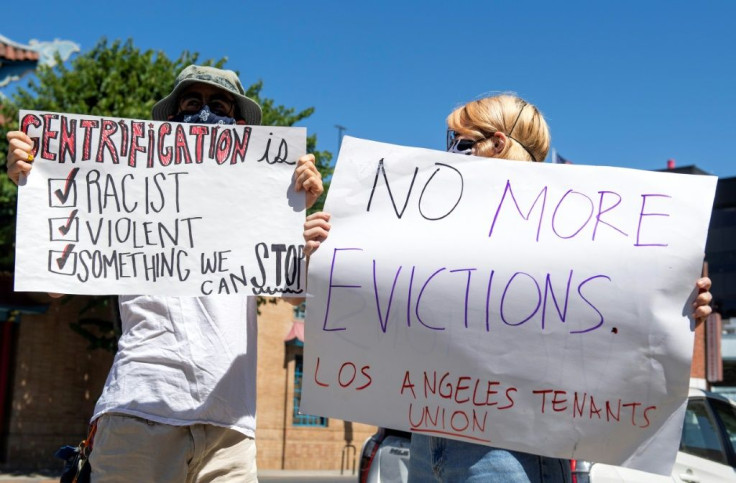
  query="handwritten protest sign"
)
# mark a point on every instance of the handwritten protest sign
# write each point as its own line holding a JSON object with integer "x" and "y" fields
{"x": 540, "y": 308}
{"x": 121, "y": 206}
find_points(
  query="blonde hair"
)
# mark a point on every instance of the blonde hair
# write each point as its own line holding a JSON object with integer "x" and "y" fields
{"x": 520, "y": 121}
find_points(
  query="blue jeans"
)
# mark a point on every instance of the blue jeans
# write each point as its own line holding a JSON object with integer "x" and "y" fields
{"x": 443, "y": 460}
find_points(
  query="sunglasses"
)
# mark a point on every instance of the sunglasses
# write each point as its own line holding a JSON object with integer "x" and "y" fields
{"x": 459, "y": 145}
{"x": 465, "y": 146}
{"x": 219, "y": 104}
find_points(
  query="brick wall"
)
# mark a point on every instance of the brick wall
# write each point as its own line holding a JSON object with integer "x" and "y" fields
{"x": 55, "y": 382}
{"x": 281, "y": 445}
{"x": 697, "y": 370}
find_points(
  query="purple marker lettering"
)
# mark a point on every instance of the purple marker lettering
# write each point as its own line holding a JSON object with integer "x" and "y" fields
{"x": 488, "y": 299}
{"x": 381, "y": 320}
{"x": 503, "y": 299}
{"x": 408, "y": 297}
{"x": 542, "y": 194}
{"x": 600, "y": 315}
{"x": 554, "y": 215}
{"x": 642, "y": 214}
{"x": 331, "y": 286}
{"x": 467, "y": 289}
{"x": 598, "y": 219}
{"x": 548, "y": 290}
{"x": 419, "y": 298}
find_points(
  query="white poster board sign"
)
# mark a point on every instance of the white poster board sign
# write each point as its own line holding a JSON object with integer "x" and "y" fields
{"x": 541, "y": 308}
{"x": 122, "y": 206}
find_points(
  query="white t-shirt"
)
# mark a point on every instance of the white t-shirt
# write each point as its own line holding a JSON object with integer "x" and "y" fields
{"x": 185, "y": 360}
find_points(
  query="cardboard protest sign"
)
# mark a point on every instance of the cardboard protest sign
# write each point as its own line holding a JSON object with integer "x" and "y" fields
{"x": 536, "y": 307}
{"x": 122, "y": 206}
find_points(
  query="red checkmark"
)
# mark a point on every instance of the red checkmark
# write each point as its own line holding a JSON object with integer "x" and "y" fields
{"x": 61, "y": 261}
{"x": 64, "y": 195}
{"x": 64, "y": 229}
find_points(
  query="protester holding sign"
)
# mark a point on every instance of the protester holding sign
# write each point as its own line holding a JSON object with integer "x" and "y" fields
{"x": 179, "y": 402}
{"x": 505, "y": 127}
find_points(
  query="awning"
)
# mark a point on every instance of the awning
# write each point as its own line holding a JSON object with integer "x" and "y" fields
{"x": 296, "y": 333}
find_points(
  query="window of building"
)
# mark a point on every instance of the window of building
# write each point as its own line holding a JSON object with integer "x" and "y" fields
{"x": 300, "y": 311}
{"x": 303, "y": 419}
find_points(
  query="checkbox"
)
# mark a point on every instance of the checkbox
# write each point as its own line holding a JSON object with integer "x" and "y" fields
{"x": 63, "y": 262}
{"x": 64, "y": 229}
{"x": 63, "y": 192}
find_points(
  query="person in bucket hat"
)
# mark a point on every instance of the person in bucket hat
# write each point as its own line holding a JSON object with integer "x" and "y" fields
{"x": 226, "y": 80}
{"x": 179, "y": 401}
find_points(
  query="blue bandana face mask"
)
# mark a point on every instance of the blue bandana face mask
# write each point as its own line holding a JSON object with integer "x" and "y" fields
{"x": 204, "y": 116}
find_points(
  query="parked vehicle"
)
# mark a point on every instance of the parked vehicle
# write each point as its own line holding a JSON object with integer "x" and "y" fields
{"x": 707, "y": 448}
{"x": 385, "y": 457}
{"x": 707, "y": 451}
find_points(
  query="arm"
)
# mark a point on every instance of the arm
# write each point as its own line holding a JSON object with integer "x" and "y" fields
{"x": 19, "y": 161}
{"x": 19, "y": 157}
{"x": 316, "y": 229}
{"x": 308, "y": 178}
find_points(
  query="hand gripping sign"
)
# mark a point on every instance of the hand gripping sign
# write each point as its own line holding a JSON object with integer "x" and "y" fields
{"x": 122, "y": 206}
{"x": 540, "y": 308}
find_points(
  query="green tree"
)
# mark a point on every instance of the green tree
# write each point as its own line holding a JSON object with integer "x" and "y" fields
{"x": 114, "y": 79}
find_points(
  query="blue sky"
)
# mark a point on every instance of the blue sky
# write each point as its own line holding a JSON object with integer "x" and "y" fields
{"x": 627, "y": 83}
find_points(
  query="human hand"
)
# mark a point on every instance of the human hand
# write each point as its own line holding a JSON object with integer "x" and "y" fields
{"x": 19, "y": 157}
{"x": 701, "y": 305}
{"x": 308, "y": 178}
{"x": 316, "y": 229}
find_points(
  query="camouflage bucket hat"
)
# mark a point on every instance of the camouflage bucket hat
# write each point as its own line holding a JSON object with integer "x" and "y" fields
{"x": 224, "y": 79}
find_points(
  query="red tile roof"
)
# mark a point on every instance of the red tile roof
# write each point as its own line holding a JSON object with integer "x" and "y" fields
{"x": 16, "y": 52}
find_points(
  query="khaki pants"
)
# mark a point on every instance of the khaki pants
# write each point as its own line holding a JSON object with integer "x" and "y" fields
{"x": 128, "y": 449}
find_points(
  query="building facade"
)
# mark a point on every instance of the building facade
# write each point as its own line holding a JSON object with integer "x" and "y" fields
{"x": 286, "y": 438}
{"x": 50, "y": 381}
{"x": 720, "y": 253}
{"x": 714, "y": 351}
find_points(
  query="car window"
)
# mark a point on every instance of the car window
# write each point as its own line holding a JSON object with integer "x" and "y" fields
{"x": 727, "y": 416}
{"x": 699, "y": 433}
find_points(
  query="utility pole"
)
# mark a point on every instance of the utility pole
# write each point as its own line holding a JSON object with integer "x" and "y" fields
{"x": 340, "y": 133}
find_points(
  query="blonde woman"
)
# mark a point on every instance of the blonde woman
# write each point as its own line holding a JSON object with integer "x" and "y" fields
{"x": 505, "y": 127}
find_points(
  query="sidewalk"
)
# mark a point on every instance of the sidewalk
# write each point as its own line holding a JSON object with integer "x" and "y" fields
{"x": 28, "y": 478}
{"x": 49, "y": 477}
{"x": 295, "y": 473}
